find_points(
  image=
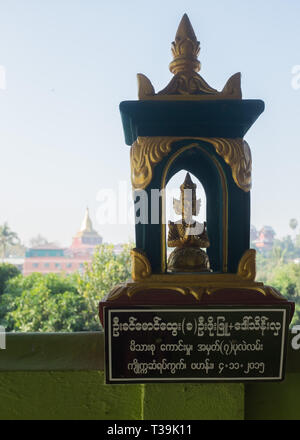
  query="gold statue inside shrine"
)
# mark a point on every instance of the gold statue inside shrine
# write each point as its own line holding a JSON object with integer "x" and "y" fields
{"x": 188, "y": 236}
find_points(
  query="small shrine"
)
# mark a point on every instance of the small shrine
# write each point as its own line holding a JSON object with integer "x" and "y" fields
{"x": 210, "y": 274}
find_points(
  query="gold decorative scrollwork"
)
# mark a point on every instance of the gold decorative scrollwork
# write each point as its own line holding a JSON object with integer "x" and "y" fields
{"x": 187, "y": 84}
{"x": 237, "y": 154}
{"x": 146, "y": 152}
{"x": 273, "y": 292}
{"x": 247, "y": 265}
{"x": 188, "y": 87}
{"x": 233, "y": 283}
{"x": 197, "y": 285}
{"x": 197, "y": 293}
{"x": 130, "y": 290}
{"x": 141, "y": 267}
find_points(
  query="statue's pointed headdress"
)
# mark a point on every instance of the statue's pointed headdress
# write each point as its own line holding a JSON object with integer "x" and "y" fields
{"x": 187, "y": 194}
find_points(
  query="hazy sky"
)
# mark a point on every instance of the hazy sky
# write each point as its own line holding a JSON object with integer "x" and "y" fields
{"x": 68, "y": 65}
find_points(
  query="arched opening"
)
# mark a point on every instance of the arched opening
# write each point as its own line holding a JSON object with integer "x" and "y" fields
{"x": 172, "y": 191}
{"x": 208, "y": 174}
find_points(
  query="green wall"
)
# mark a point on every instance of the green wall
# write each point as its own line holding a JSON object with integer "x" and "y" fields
{"x": 194, "y": 402}
{"x": 60, "y": 376}
{"x": 274, "y": 401}
{"x": 83, "y": 395}
{"x": 66, "y": 395}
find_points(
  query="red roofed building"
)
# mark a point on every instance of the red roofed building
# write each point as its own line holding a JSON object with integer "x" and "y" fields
{"x": 50, "y": 258}
{"x": 265, "y": 240}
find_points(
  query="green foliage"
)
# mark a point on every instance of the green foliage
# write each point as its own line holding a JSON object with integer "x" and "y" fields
{"x": 284, "y": 276}
{"x": 278, "y": 269}
{"x": 36, "y": 303}
{"x": 296, "y": 317}
{"x": 287, "y": 280}
{"x": 289, "y": 247}
{"x": 7, "y": 271}
{"x": 106, "y": 271}
{"x": 297, "y": 242}
{"x": 59, "y": 303}
{"x": 7, "y": 238}
{"x": 16, "y": 250}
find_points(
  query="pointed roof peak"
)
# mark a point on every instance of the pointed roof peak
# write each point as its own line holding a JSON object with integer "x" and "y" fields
{"x": 87, "y": 231}
{"x": 185, "y": 29}
{"x": 87, "y": 225}
{"x": 187, "y": 84}
{"x": 185, "y": 49}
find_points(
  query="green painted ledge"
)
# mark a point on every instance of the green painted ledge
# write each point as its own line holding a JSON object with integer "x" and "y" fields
{"x": 66, "y": 395}
{"x": 53, "y": 352}
{"x": 60, "y": 376}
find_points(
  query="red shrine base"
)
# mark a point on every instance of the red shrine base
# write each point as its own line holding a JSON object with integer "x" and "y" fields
{"x": 222, "y": 297}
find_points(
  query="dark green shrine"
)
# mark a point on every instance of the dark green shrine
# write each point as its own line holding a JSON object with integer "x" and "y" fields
{"x": 191, "y": 126}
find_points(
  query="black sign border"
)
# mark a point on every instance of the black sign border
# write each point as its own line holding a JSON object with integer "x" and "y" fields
{"x": 134, "y": 381}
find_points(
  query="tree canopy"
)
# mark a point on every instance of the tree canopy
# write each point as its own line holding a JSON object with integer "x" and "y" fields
{"x": 7, "y": 271}
{"x": 68, "y": 303}
{"x": 7, "y": 238}
{"x": 61, "y": 303}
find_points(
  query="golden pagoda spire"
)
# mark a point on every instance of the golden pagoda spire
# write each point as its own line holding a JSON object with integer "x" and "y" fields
{"x": 87, "y": 233}
{"x": 87, "y": 225}
{"x": 187, "y": 84}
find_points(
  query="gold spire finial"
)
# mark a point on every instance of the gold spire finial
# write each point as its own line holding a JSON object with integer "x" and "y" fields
{"x": 185, "y": 29}
{"x": 185, "y": 48}
{"x": 187, "y": 84}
